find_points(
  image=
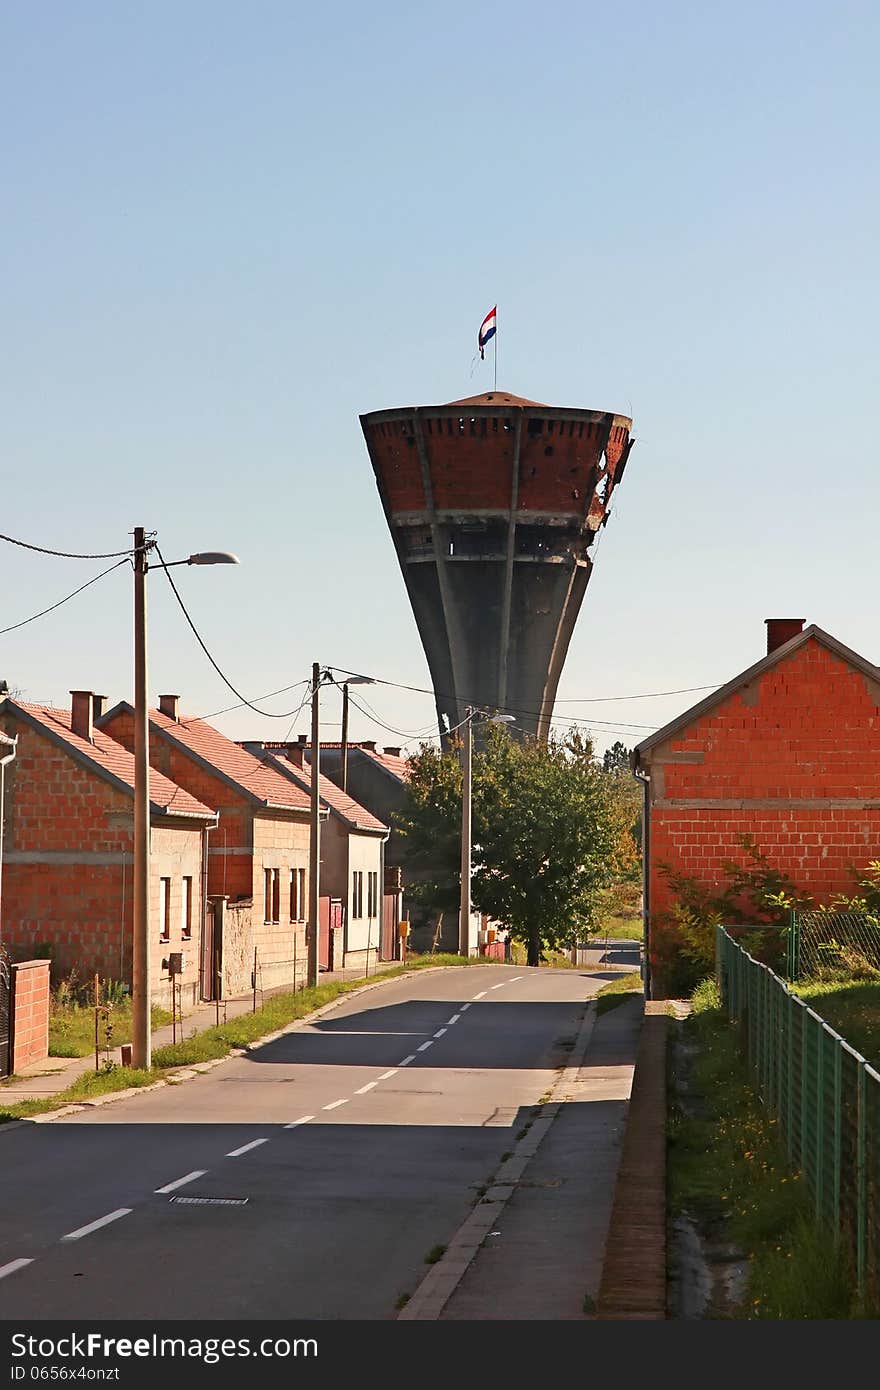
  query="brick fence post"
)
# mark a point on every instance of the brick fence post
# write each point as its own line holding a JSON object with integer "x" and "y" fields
{"x": 30, "y": 1012}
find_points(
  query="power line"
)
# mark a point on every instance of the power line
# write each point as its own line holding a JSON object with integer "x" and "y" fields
{"x": 268, "y": 696}
{"x": 66, "y": 599}
{"x": 269, "y": 714}
{"x": 574, "y": 700}
{"x": 67, "y": 554}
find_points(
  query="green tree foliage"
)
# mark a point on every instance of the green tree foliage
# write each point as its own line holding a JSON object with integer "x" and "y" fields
{"x": 616, "y": 758}
{"x": 546, "y": 834}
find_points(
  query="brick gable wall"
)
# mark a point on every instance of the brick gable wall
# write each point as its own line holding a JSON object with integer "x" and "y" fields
{"x": 792, "y": 760}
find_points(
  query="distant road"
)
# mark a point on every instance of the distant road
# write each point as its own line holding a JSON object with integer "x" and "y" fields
{"x": 317, "y": 1172}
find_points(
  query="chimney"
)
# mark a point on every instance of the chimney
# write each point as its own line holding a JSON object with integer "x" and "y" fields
{"x": 369, "y": 743}
{"x": 295, "y": 751}
{"x": 168, "y": 705}
{"x": 99, "y": 707}
{"x": 302, "y": 738}
{"x": 395, "y": 752}
{"x": 781, "y": 630}
{"x": 81, "y": 706}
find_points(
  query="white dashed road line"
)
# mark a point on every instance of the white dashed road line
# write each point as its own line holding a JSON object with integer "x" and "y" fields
{"x": 515, "y": 978}
{"x": 303, "y": 1120}
{"x": 370, "y": 1086}
{"x": 179, "y": 1182}
{"x": 464, "y": 1006}
{"x": 387, "y": 1075}
{"x": 440, "y": 1032}
{"x": 482, "y": 994}
{"x": 501, "y": 986}
{"x": 406, "y": 1061}
{"x": 13, "y": 1266}
{"x": 96, "y": 1225}
{"x": 246, "y": 1148}
{"x": 424, "y": 1047}
{"x": 454, "y": 1019}
{"x": 334, "y": 1104}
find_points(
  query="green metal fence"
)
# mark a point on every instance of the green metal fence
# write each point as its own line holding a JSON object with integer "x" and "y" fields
{"x": 820, "y": 943}
{"x": 823, "y": 1093}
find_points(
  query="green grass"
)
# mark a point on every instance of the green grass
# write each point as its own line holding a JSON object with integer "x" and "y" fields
{"x": 853, "y": 1010}
{"x": 728, "y": 1169}
{"x": 434, "y": 1254}
{"x": 72, "y": 1028}
{"x": 87, "y": 1086}
{"x": 621, "y": 927}
{"x": 618, "y": 991}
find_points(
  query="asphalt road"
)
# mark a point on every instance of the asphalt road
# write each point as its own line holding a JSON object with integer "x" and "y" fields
{"x": 317, "y": 1171}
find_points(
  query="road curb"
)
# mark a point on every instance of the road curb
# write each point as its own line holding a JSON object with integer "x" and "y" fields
{"x": 443, "y": 1278}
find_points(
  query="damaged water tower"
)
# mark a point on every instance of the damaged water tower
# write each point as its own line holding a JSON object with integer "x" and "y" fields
{"x": 494, "y": 504}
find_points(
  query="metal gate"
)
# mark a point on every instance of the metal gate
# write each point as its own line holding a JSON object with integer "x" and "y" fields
{"x": 5, "y": 1014}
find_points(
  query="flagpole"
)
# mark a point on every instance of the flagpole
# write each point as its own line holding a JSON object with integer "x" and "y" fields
{"x": 496, "y": 347}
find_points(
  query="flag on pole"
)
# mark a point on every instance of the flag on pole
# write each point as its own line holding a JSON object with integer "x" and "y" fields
{"x": 487, "y": 330}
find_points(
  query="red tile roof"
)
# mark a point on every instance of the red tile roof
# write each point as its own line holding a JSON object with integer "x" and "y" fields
{"x": 108, "y": 756}
{"x": 256, "y": 779}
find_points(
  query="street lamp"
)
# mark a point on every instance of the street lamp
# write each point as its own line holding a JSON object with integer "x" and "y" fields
{"x": 349, "y": 680}
{"x": 464, "y": 917}
{"x": 141, "y": 1038}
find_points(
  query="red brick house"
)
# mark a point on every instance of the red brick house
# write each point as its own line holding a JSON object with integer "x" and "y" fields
{"x": 787, "y": 752}
{"x": 68, "y": 850}
{"x": 258, "y": 856}
{"x": 352, "y": 860}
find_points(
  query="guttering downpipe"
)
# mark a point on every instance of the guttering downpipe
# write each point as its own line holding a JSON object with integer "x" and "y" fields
{"x": 3, "y": 761}
{"x": 645, "y": 779}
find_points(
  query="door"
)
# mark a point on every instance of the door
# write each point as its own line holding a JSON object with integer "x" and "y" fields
{"x": 389, "y": 926}
{"x": 208, "y": 973}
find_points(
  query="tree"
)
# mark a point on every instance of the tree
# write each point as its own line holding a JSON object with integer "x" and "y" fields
{"x": 430, "y": 823}
{"x": 545, "y": 837}
{"x": 616, "y": 757}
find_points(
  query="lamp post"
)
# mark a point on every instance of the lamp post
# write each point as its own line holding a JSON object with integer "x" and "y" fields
{"x": 350, "y": 680}
{"x": 464, "y": 916}
{"x": 141, "y": 1037}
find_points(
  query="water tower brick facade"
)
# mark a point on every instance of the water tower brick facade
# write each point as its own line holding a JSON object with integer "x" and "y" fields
{"x": 493, "y": 504}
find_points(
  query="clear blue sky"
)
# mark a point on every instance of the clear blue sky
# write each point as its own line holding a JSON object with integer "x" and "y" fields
{"x": 229, "y": 229}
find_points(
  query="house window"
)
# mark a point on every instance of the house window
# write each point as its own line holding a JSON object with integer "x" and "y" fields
{"x": 272, "y": 895}
{"x": 297, "y": 895}
{"x": 186, "y": 909}
{"x": 372, "y": 893}
{"x": 357, "y": 894}
{"x": 164, "y": 909}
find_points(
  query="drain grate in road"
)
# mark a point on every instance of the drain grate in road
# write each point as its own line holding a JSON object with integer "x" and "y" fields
{"x": 210, "y": 1201}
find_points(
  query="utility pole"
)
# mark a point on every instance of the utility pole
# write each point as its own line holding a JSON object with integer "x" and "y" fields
{"x": 464, "y": 919}
{"x": 314, "y": 834}
{"x": 141, "y": 1052}
{"x": 345, "y": 736}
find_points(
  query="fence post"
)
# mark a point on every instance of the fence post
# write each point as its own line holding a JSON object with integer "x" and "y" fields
{"x": 861, "y": 1177}
{"x": 820, "y": 1117}
{"x": 838, "y": 1097}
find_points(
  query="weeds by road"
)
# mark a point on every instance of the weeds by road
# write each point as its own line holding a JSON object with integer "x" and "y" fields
{"x": 729, "y": 1172}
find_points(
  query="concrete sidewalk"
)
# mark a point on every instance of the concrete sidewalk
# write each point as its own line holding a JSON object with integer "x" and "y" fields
{"x": 534, "y": 1247}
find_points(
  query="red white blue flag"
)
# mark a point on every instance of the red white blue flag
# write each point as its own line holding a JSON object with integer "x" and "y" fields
{"x": 487, "y": 330}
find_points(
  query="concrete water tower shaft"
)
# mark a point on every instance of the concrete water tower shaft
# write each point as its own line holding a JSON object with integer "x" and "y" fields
{"x": 493, "y": 504}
